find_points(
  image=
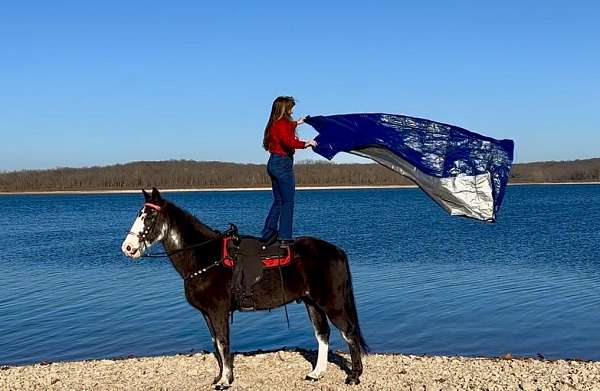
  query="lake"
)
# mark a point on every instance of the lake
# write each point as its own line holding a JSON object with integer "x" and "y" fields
{"x": 425, "y": 282}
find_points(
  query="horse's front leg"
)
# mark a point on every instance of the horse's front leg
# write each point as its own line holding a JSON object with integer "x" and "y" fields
{"x": 216, "y": 351}
{"x": 221, "y": 341}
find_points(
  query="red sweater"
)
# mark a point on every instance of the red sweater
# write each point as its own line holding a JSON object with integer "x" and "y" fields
{"x": 282, "y": 138}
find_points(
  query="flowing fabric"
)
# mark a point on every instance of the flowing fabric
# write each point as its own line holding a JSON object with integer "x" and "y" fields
{"x": 464, "y": 172}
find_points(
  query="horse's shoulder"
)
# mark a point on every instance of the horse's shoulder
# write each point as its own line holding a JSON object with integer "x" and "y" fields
{"x": 198, "y": 290}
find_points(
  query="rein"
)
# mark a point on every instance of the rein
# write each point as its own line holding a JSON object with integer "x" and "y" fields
{"x": 168, "y": 254}
{"x": 165, "y": 254}
{"x": 142, "y": 237}
{"x": 198, "y": 272}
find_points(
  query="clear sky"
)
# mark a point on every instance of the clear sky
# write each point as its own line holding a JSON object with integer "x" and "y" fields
{"x": 86, "y": 83}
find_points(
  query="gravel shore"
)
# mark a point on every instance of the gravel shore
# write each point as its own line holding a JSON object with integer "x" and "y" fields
{"x": 285, "y": 370}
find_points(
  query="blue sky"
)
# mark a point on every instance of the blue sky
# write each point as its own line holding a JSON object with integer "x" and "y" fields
{"x": 86, "y": 83}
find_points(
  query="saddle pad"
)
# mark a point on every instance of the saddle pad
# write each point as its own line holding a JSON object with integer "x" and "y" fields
{"x": 249, "y": 246}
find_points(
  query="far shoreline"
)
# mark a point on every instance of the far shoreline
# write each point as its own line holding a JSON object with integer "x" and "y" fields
{"x": 237, "y": 189}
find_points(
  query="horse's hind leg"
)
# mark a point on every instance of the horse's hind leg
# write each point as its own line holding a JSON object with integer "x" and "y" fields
{"x": 322, "y": 330}
{"x": 350, "y": 332}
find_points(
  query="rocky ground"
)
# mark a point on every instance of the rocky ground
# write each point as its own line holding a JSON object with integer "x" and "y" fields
{"x": 285, "y": 370}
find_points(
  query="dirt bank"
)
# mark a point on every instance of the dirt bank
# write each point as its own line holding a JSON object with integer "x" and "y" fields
{"x": 285, "y": 370}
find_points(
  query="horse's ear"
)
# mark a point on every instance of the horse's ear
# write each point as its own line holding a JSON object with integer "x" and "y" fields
{"x": 146, "y": 195}
{"x": 156, "y": 194}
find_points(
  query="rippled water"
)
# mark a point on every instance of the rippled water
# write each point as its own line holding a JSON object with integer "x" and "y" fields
{"x": 425, "y": 282}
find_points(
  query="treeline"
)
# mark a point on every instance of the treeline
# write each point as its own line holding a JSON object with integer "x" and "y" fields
{"x": 587, "y": 170}
{"x": 189, "y": 174}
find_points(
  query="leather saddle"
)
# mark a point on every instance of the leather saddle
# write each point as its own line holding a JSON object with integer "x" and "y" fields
{"x": 248, "y": 256}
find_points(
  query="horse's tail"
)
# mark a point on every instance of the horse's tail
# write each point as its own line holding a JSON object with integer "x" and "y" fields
{"x": 351, "y": 305}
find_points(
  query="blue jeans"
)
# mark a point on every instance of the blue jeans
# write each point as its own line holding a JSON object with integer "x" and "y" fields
{"x": 279, "y": 220}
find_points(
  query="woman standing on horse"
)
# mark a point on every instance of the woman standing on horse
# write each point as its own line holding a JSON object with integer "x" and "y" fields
{"x": 281, "y": 140}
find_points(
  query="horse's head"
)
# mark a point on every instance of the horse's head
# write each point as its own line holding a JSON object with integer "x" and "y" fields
{"x": 148, "y": 228}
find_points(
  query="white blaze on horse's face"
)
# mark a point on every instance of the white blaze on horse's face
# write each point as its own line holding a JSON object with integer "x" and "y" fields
{"x": 148, "y": 228}
{"x": 132, "y": 245}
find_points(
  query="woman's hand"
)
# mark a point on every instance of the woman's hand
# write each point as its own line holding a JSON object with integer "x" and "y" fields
{"x": 310, "y": 143}
{"x": 301, "y": 120}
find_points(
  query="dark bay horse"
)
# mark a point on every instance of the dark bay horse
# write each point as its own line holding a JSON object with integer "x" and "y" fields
{"x": 319, "y": 276}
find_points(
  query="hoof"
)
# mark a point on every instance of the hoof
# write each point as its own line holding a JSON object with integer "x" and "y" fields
{"x": 352, "y": 381}
{"x": 221, "y": 387}
{"x": 310, "y": 378}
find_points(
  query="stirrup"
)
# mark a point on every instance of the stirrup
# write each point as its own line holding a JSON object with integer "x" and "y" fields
{"x": 246, "y": 303}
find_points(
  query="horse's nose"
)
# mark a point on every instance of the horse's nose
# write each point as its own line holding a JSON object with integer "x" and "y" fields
{"x": 128, "y": 249}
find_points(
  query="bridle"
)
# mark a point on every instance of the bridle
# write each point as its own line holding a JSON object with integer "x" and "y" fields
{"x": 142, "y": 235}
{"x": 142, "y": 238}
{"x": 153, "y": 206}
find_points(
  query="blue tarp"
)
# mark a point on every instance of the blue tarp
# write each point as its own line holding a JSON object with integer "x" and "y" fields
{"x": 464, "y": 172}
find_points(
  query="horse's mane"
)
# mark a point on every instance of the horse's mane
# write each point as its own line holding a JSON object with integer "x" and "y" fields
{"x": 187, "y": 222}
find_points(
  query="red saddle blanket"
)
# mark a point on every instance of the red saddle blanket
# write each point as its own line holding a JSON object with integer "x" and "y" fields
{"x": 271, "y": 256}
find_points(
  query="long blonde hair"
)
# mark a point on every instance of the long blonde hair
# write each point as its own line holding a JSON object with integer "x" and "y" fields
{"x": 282, "y": 108}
